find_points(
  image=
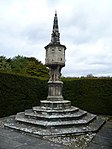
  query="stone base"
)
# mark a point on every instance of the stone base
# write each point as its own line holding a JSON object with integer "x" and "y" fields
{"x": 56, "y": 105}
{"x": 55, "y": 118}
{"x": 27, "y": 126}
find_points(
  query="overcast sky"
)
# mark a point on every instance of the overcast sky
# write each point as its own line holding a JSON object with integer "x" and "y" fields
{"x": 85, "y": 29}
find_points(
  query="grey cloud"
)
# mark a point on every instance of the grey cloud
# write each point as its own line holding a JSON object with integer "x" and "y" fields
{"x": 35, "y": 33}
{"x": 87, "y": 25}
{"x": 80, "y": 63}
{"x": 86, "y": 69}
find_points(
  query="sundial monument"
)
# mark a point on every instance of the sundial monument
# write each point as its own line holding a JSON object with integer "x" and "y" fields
{"x": 55, "y": 116}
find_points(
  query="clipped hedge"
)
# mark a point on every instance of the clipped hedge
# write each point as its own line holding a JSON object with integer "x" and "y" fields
{"x": 93, "y": 95}
{"x": 18, "y": 93}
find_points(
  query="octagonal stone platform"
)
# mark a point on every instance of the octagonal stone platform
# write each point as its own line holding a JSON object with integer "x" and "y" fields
{"x": 55, "y": 118}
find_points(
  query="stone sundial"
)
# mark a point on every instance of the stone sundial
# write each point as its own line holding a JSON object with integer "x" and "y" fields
{"x": 55, "y": 116}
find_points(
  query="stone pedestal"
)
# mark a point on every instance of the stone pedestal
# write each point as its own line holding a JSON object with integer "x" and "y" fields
{"x": 55, "y": 90}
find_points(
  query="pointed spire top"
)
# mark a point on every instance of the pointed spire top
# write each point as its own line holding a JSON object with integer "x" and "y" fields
{"x": 55, "y": 12}
{"x": 55, "y": 36}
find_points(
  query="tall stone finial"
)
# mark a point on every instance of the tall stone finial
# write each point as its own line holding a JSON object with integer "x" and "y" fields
{"x": 55, "y": 36}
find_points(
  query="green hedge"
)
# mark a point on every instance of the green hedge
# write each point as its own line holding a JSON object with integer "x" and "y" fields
{"x": 93, "y": 95}
{"x": 18, "y": 93}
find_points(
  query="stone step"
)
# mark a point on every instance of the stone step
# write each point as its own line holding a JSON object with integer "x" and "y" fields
{"x": 83, "y": 121}
{"x": 53, "y": 104}
{"x": 50, "y": 131}
{"x": 55, "y": 116}
{"x": 38, "y": 109}
{"x": 96, "y": 124}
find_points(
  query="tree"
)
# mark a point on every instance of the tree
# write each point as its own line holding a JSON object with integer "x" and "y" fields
{"x": 36, "y": 68}
{"x": 19, "y": 64}
{"x": 4, "y": 64}
{"x": 90, "y": 76}
{"x": 24, "y": 65}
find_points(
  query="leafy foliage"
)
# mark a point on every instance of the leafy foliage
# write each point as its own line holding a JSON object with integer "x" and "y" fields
{"x": 24, "y": 65}
{"x": 4, "y": 64}
{"x": 19, "y": 64}
{"x": 36, "y": 68}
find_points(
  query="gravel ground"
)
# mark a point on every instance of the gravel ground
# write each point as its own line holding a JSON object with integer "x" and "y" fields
{"x": 73, "y": 141}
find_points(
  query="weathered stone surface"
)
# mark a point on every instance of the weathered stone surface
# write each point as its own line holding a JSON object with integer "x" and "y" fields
{"x": 63, "y": 120}
{"x": 56, "y": 116}
{"x": 45, "y": 128}
{"x": 55, "y": 104}
{"x": 39, "y": 109}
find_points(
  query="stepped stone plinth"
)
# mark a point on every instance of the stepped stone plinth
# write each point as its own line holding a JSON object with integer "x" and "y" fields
{"x": 55, "y": 116}
{"x": 62, "y": 121}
